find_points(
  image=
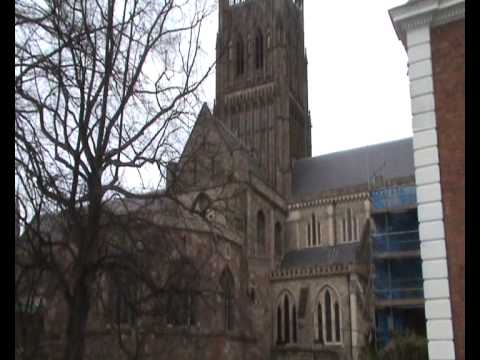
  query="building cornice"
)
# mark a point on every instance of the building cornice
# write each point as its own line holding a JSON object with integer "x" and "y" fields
{"x": 315, "y": 271}
{"x": 421, "y": 13}
{"x": 329, "y": 200}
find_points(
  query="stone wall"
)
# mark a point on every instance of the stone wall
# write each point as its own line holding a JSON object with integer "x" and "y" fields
{"x": 331, "y": 216}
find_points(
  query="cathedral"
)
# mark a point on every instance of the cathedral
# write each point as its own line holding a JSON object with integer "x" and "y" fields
{"x": 300, "y": 257}
{"x": 295, "y": 255}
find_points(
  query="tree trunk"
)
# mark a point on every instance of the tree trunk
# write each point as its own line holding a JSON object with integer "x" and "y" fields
{"x": 77, "y": 322}
{"x": 79, "y": 304}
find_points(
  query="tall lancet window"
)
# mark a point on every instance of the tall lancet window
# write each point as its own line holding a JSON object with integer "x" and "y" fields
{"x": 337, "y": 322}
{"x": 314, "y": 234}
{"x": 319, "y": 323}
{"x": 261, "y": 242}
{"x": 349, "y": 227}
{"x": 294, "y": 324}
{"x": 314, "y": 230}
{"x": 349, "y": 224}
{"x": 227, "y": 285}
{"x": 319, "y": 232}
{"x": 328, "y": 318}
{"x": 240, "y": 63}
{"x": 279, "y": 325}
{"x": 259, "y": 58}
{"x": 286, "y": 320}
{"x": 278, "y": 240}
{"x": 309, "y": 234}
{"x": 286, "y": 309}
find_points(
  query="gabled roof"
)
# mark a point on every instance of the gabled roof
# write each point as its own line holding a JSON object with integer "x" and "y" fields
{"x": 353, "y": 167}
{"x": 232, "y": 142}
{"x": 230, "y": 139}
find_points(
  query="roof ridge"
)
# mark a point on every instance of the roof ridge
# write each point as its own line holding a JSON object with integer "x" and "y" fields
{"x": 355, "y": 149}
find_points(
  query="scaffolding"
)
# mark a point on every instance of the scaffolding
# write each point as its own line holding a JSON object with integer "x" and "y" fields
{"x": 398, "y": 283}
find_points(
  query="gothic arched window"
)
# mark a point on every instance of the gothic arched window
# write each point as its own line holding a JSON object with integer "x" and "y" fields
{"x": 294, "y": 324}
{"x": 319, "y": 233}
{"x": 240, "y": 63}
{"x": 328, "y": 317}
{"x": 337, "y": 322}
{"x": 356, "y": 235}
{"x": 349, "y": 225}
{"x": 259, "y": 57}
{"x": 278, "y": 239}
{"x": 181, "y": 293}
{"x": 286, "y": 319}
{"x": 314, "y": 230}
{"x": 309, "y": 234}
{"x": 286, "y": 310}
{"x": 228, "y": 286}
{"x": 260, "y": 233}
{"x": 350, "y": 231}
{"x": 279, "y": 325}
{"x": 319, "y": 324}
{"x": 314, "y": 233}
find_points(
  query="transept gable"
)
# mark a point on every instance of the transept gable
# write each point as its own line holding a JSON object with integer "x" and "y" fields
{"x": 213, "y": 149}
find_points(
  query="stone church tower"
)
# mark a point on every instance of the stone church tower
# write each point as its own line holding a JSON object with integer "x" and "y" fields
{"x": 261, "y": 83}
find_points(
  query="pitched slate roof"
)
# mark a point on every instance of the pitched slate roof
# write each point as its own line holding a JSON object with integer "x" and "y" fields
{"x": 325, "y": 255}
{"x": 353, "y": 167}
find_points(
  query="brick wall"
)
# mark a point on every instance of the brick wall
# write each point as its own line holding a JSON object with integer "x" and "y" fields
{"x": 448, "y": 51}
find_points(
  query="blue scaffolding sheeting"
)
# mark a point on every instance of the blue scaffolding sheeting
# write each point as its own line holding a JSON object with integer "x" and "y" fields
{"x": 391, "y": 198}
{"x": 397, "y": 279}
{"x": 402, "y": 241}
{"x": 398, "y": 266}
{"x": 396, "y": 231}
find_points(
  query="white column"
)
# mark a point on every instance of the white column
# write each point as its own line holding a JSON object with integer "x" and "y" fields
{"x": 429, "y": 197}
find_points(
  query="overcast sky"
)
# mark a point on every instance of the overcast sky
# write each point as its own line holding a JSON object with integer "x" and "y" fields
{"x": 357, "y": 72}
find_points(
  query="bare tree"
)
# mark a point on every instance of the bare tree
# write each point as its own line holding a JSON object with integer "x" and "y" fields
{"x": 103, "y": 88}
